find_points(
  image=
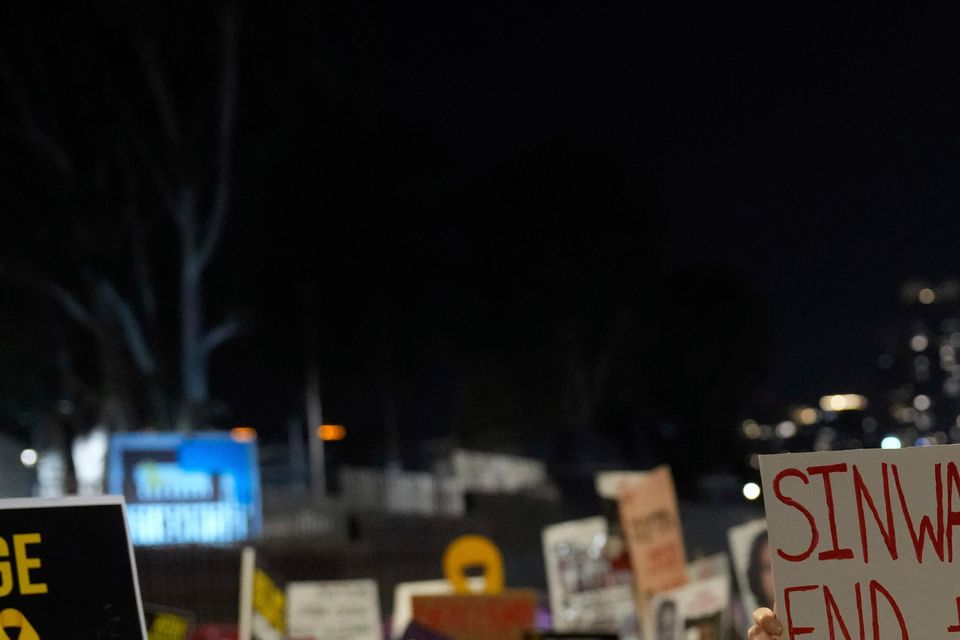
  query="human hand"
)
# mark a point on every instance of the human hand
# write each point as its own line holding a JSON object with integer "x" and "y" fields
{"x": 767, "y": 626}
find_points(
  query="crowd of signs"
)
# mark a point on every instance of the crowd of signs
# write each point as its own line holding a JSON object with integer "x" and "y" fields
{"x": 861, "y": 542}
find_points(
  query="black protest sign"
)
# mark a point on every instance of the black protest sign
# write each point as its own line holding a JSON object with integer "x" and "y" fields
{"x": 67, "y": 571}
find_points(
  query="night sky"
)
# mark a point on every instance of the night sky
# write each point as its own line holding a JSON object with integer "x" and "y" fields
{"x": 804, "y": 156}
{"x": 811, "y": 151}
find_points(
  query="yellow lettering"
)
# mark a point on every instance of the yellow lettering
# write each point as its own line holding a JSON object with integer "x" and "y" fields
{"x": 6, "y": 574}
{"x": 25, "y": 563}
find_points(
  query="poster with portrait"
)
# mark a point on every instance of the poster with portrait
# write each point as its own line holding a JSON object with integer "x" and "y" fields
{"x": 695, "y": 611}
{"x": 586, "y": 593}
{"x": 750, "y": 553}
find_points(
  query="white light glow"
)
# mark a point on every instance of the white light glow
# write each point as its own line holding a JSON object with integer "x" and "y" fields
{"x": 921, "y": 402}
{"x": 751, "y": 491}
{"x": 28, "y": 458}
{"x": 919, "y": 342}
{"x": 843, "y": 402}
{"x": 786, "y": 429}
{"x": 890, "y": 442}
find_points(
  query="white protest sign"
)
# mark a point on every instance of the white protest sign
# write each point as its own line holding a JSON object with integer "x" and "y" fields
{"x": 696, "y": 611}
{"x": 863, "y": 542}
{"x": 333, "y": 610}
{"x": 586, "y": 593}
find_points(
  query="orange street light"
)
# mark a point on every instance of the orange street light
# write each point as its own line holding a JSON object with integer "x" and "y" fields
{"x": 243, "y": 434}
{"x": 331, "y": 432}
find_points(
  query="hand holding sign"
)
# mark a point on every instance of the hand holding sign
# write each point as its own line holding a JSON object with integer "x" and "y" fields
{"x": 863, "y": 542}
{"x": 766, "y": 626}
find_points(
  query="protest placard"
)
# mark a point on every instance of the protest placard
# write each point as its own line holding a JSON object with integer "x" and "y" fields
{"x": 863, "y": 542}
{"x": 404, "y": 592}
{"x": 586, "y": 592}
{"x": 333, "y": 609}
{"x": 67, "y": 570}
{"x": 651, "y": 522}
{"x": 750, "y": 553}
{"x": 505, "y": 616}
{"x": 166, "y": 623}
{"x": 263, "y": 601}
{"x": 697, "y": 610}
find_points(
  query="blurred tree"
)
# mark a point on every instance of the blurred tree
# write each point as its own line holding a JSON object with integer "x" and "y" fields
{"x": 116, "y": 146}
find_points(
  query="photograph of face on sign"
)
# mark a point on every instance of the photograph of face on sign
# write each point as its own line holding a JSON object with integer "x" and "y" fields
{"x": 696, "y": 611}
{"x": 577, "y": 549}
{"x": 586, "y": 592}
{"x": 750, "y": 552}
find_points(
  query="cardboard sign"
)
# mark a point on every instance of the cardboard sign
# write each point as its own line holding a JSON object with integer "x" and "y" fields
{"x": 695, "y": 611}
{"x": 750, "y": 553}
{"x": 334, "y": 609}
{"x": 164, "y": 623}
{"x": 586, "y": 593}
{"x": 863, "y": 542}
{"x": 651, "y": 522}
{"x": 67, "y": 570}
{"x": 403, "y": 595}
{"x": 478, "y": 617}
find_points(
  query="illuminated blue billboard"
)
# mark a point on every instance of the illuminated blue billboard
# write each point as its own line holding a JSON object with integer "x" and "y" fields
{"x": 186, "y": 488}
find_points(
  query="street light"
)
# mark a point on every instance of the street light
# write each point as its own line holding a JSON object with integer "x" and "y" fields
{"x": 331, "y": 432}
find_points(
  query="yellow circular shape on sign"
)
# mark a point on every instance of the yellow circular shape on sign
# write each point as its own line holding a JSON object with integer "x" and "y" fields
{"x": 473, "y": 551}
{"x": 13, "y": 619}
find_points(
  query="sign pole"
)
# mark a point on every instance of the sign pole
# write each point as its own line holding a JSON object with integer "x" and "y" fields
{"x": 318, "y": 471}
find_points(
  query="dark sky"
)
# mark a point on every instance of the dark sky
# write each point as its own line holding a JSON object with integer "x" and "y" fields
{"x": 812, "y": 150}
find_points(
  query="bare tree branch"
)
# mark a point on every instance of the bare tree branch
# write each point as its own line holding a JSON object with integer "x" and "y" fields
{"x": 67, "y": 301}
{"x": 71, "y": 305}
{"x": 184, "y": 212}
{"x": 30, "y": 133}
{"x": 228, "y": 98}
{"x": 226, "y": 330}
{"x": 158, "y": 88}
{"x": 132, "y": 331}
